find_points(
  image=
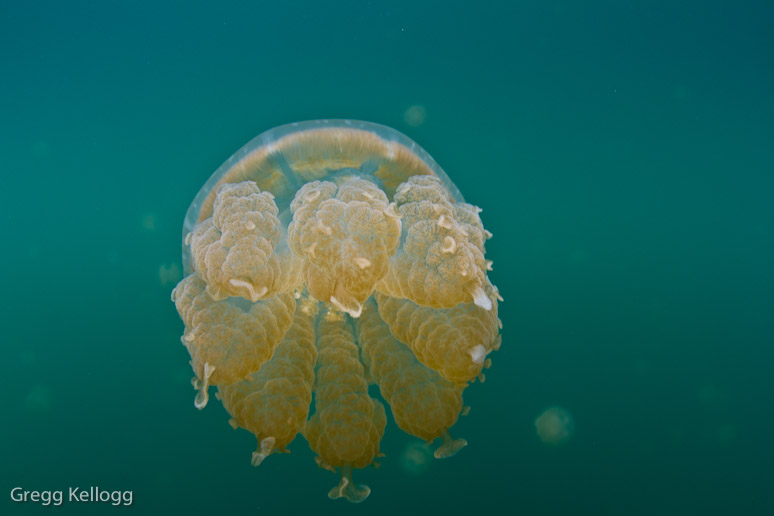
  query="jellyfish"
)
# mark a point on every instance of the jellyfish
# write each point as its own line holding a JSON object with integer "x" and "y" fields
{"x": 324, "y": 257}
{"x": 555, "y": 426}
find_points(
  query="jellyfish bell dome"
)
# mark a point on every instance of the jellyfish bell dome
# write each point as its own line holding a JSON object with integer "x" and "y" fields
{"x": 320, "y": 258}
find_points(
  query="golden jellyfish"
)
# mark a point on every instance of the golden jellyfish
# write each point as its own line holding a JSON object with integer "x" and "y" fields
{"x": 324, "y": 257}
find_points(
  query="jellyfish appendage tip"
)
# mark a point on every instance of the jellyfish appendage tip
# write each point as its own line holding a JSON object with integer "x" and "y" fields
{"x": 392, "y": 211}
{"x": 253, "y": 293}
{"x": 257, "y": 458}
{"x": 361, "y": 262}
{"x": 347, "y": 489}
{"x": 449, "y": 447}
{"x": 265, "y": 448}
{"x": 353, "y": 312}
{"x": 478, "y": 354}
{"x": 480, "y": 298}
{"x": 324, "y": 465}
{"x": 202, "y": 397}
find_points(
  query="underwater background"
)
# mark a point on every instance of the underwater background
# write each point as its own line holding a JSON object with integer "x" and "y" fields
{"x": 622, "y": 152}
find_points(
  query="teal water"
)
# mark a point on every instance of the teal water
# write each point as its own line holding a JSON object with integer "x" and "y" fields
{"x": 622, "y": 153}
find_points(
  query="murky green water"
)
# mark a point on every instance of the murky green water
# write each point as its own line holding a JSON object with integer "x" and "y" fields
{"x": 621, "y": 150}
